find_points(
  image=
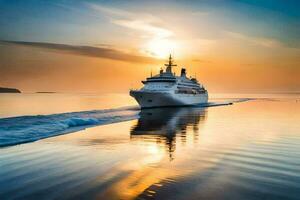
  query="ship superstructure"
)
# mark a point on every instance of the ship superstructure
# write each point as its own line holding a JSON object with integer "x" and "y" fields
{"x": 167, "y": 89}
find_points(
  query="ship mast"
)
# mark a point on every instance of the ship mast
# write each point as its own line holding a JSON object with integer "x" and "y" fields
{"x": 169, "y": 65}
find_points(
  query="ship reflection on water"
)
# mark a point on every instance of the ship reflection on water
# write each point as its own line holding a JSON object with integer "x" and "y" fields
{"x": 164, "y": 126}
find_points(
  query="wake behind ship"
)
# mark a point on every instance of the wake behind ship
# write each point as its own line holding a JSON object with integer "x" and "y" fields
{"x": 166, "y": 89}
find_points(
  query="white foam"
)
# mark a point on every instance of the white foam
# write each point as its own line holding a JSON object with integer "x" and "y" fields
{"x": 16, "y": 130}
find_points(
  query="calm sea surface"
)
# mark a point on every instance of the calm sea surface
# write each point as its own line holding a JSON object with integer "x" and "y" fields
{"x": 248, "y": 150}
{"x": 12, "y": 105}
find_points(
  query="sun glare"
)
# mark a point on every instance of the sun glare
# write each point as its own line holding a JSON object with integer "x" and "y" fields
{"x": 161, "y": 48}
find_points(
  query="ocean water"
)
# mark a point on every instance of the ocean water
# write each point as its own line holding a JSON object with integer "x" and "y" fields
{"x": 13, "y": 105}
{"x": 247, "y": 150}
{"x": 31, "y": 117}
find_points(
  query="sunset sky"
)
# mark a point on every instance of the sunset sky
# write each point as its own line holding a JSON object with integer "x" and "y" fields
{"x": 110, "y": 46}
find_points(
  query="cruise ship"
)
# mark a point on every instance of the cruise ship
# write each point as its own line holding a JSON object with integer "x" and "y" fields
{"x": 166, "y": 89}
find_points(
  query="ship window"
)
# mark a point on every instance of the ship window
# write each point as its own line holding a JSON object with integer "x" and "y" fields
{"x": 149, "y": 100}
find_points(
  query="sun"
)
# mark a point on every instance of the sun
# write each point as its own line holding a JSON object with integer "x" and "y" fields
{"x": 161, "y": 48}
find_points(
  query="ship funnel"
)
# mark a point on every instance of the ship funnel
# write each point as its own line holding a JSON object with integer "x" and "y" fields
{"x": 161, "y": 71}
{"x": 183, "y": 72}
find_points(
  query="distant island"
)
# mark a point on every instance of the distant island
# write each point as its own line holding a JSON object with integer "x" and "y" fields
{"x": 9, "y": 90}
{"x": 46, "y": 92}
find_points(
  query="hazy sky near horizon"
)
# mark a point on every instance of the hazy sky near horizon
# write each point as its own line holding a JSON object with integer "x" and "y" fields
{"x": 110, "y": 46}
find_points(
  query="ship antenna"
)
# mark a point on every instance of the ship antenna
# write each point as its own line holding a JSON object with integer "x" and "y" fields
{"x": 170, "y": 64}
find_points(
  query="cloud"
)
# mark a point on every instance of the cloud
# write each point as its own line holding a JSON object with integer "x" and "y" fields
{"x": 110, "y": 11}
{"x": 259, "y": 41}
{"x": 145, "y": 26}
{"x": 144, "y": 22}
{"x": 100, "y": 52}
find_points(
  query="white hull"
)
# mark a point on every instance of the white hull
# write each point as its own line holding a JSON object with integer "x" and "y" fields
{"x": 150, "y": 99}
